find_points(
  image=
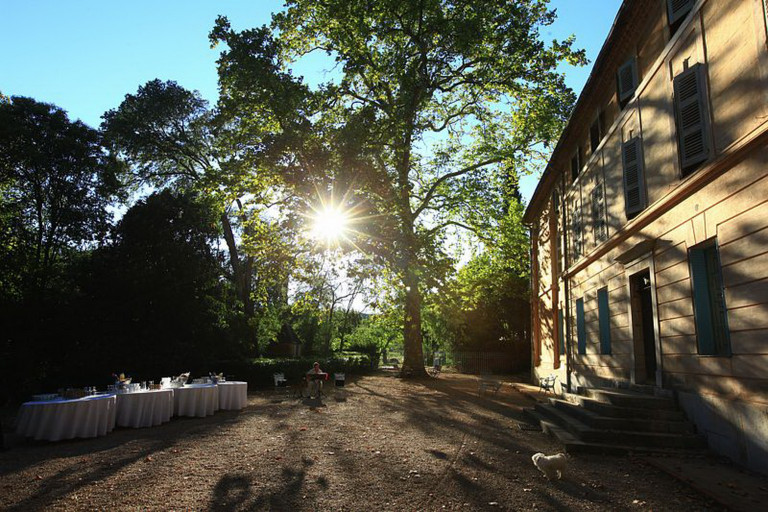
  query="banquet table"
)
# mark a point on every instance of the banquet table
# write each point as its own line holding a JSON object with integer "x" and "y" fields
{"x": 144, "y": 408}
{"x": 53, "y": 420}
{"x": 233, "y": 395}
{"x": 195, "y": 400}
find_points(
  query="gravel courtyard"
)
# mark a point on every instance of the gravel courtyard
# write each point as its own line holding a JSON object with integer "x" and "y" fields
{"x": 388, "y": 444}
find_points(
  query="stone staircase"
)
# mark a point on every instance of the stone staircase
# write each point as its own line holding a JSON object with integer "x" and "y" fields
{"x": 618, "y": 421}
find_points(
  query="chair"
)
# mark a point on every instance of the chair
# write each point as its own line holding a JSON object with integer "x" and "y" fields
{"x": 487, "y": 384}
{"x": 338, "y": 380}
{"x": 280, "y": 383}
{"x": 547, "y": 384}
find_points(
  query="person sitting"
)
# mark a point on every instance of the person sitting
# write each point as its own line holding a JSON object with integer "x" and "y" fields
{"x": 315, "y": 378}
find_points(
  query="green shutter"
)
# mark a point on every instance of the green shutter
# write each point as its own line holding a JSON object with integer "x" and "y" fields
{"x": 701, "y": 304}
{"x": 692, "y": 122}
{"x": 561, "y": 326}
{"x": 634, "y": 179}
{"x": 599, "y": 227}
{"x": 581, "y": 328}
{"x": 678, "y": 9}
{"x": 605, "y": 321}
{"x": 626, "y": 80}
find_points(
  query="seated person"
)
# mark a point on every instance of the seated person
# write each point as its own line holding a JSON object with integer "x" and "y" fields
{"x": 315, "y": 378}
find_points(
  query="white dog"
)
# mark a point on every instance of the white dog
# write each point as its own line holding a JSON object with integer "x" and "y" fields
{"x": 550, "y": 465}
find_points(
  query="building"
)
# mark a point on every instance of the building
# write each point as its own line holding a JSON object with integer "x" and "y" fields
{"x": 649, "y": 226}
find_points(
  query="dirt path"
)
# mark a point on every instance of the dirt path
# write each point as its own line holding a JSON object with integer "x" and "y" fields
{"x": 391, "y": 445}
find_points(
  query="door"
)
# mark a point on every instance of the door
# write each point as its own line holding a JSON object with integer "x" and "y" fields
{"x": 642, "y": 326}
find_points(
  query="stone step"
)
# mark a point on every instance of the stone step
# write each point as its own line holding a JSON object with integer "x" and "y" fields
{"x": 637, "y": 439}
{"x": 628, "y": 398}
{"x": 606, "y": 409}
{"x": 595, "y": 420}
{"x": 574, "y": 445}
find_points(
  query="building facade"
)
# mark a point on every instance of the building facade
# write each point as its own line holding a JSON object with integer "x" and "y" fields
{"x": 649, "y": 226}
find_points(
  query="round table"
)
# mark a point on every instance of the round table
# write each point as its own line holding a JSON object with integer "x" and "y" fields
{"x": 144, "y": 408}
{"x": 233, "y": 395}
{"x": 54, "y": 420}
{"x": 195, "y": 400}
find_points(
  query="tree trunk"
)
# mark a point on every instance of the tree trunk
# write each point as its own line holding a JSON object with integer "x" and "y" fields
{"x": 413, "y": 360}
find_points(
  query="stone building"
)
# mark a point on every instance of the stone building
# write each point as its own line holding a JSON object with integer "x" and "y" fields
{"x": 649, "y": 226}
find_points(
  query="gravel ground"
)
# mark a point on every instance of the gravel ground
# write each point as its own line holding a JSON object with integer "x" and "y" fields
{"x": 389, "y": 444}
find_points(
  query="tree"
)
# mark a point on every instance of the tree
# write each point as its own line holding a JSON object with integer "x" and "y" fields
{"x": 435, "y": 99}
{"x": 56, "y": 183}
{"x": 170, "y": 137}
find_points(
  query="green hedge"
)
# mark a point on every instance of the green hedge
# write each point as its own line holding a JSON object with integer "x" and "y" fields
{"x": 258, "y": 372}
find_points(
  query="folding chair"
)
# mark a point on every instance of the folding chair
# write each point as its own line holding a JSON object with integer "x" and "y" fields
{"x": 547, "y": 384}
{"x": 340, "y": 393}
{"x": 281, "y": 385}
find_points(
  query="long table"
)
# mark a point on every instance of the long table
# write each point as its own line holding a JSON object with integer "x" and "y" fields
{"x": 195, "y": 400}
{"x": 55, "y": 420}
{"x": 233, "y": 395}
{"x": 144, "y": 408}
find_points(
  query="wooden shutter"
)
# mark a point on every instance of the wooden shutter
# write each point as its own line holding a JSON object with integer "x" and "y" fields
{"x": 701, "y": 303}
{"x": 561, "y": 333}
{"x": 599, "y": 227}
{"x": 576, "y": 233}
{"x": 634, "y": 179}
{"x": 692, "y": 122}
{"x": 626, "y": 80}
{"x": 677, "y": 9}
{"x": 605, "y": 321}
{"x": 581, "y": 329}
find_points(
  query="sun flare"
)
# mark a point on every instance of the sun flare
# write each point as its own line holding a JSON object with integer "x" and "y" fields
{"x": 330, "y": 224}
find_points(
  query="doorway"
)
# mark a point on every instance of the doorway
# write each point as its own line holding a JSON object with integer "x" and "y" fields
{"x": 642, "y": 327}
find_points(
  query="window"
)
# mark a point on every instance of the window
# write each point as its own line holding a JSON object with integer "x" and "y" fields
{"x": 561, "y": 333}
{"x": 604, "y": 316}
{"x": 575, "y": 166}
{"x": 626, "y": 81}
{"x": 596, "y": 133}
{"x": 557, "y": 232}
{"x": 576, "y": 233}
{"x": 581, "y": 328}
{"x": 599, "y": 227}
{"x": 692, "y": 120}
{"x": 709, "y": 300}
{"x": 634, "y": 179}
{"x": 677, "y": 10}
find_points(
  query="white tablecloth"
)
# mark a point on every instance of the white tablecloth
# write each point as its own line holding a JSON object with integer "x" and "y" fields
{"x": 197, "y": 400}
{"x": 90, "y": 416}
{"x": 233, "y": 395}
{"x": 144, "y": 408}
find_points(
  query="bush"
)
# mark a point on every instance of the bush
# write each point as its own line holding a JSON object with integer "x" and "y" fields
{"x": 258, "y": 372}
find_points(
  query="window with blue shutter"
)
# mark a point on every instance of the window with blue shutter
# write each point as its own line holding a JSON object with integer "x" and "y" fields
{"x": 561, "y": 325}
{"x": 634, "y": 176}
{"x": 677, "y": 10}
{"x": 709, "y": 308}
{"x": 626, "y": 81}
{"x": 581, "y": 328}
{"x": 576, "y": 233}
{"x": 604, "y": 316}
{"x": 599, "y": 227}
{"x": 691, "y": 116}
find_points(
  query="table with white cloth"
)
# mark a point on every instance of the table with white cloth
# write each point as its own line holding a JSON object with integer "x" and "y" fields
{"x": 233, "y": 395}
{"x": 53, "y": 420}
{"x": 144, "y": 408}
{"x": 195, "y": 400}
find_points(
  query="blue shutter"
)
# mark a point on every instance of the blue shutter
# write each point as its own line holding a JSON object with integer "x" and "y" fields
{"x": 626, "y": 80}
{"x": 605, "y": 321}
{"x": 561, "y": 325}
{"x": 692, "y": 122}
{"x": 678, "y": 9}
{"x": 634, "y": 180}
{"x": 701, "y": 304}
{"x": 581, "y": 329}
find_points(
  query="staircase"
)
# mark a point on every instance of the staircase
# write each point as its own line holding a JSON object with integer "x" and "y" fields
{"x": 618, "y": 421}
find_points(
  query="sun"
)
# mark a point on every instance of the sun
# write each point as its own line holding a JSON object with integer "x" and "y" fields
{"x": 330, "y": 224}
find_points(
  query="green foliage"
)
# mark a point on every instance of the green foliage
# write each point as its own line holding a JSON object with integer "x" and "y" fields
{"x": 432, "y": 102}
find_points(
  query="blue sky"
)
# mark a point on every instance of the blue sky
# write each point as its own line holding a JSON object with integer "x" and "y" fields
{"x": 86, "y": 55}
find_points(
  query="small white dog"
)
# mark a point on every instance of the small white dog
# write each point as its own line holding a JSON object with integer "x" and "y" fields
{"x": 551, "y": 465}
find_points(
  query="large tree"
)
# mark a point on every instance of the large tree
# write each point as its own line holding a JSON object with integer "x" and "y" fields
{"x": 429, "y": 103}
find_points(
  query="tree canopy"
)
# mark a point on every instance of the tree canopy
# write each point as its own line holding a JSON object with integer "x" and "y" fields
{"x": 436, "y": 101}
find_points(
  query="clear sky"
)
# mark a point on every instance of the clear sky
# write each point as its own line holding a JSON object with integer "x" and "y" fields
{"x": 86, "y": 55}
